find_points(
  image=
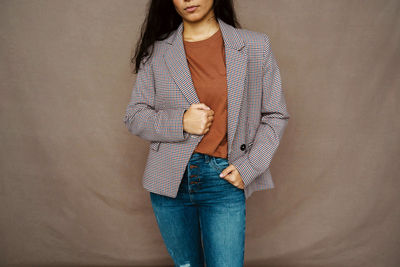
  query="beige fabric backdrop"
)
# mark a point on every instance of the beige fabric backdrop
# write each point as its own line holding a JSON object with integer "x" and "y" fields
{"x": 71, "y": 188}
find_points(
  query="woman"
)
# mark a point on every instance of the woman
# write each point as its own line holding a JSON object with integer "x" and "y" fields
{"x": 208, "y": 97}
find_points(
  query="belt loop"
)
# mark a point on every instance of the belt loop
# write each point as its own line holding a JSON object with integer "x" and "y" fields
{"x": 207, "y": 158}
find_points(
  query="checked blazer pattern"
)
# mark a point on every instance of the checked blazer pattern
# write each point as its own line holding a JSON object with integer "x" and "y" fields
{"x": 257, "y": 112}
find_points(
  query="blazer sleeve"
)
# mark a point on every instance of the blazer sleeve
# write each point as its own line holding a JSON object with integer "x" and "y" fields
{"x": 274, "y": 119}
{"x": 141, "y": 119}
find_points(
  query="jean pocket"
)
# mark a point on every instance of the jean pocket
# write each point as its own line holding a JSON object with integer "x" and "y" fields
{"x": 219, "y": 164}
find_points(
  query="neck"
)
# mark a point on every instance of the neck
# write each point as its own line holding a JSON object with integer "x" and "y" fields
{"x": 199, "y": 30}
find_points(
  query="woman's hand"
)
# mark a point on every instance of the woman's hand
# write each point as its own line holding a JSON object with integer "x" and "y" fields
{"x": 232, "y": 175}
{"x": 198, "y": 119}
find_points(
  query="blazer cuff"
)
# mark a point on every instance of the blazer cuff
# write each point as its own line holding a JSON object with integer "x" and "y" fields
{"x": 245, "y": 169}
{"x": 177, "y": 133}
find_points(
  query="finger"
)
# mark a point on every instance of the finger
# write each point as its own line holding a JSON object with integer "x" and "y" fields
{"x": 228, "y": 177}
{"x": 203, "y": 106}
{"x": 226, "y": 171}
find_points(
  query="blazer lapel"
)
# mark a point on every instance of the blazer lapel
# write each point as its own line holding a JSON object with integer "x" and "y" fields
{"x": 236, "y": 68}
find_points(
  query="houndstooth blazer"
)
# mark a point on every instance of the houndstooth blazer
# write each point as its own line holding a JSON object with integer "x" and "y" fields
{"x": 257, "y": 113}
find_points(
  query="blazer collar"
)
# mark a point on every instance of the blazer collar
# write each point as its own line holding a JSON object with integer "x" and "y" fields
{"x": 236, "y": 71}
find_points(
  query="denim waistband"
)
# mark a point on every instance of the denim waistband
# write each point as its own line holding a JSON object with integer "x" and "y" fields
{"x": 205, "y": 157}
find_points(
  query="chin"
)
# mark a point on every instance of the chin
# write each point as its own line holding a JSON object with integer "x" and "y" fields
{"x": 194, "y": 18}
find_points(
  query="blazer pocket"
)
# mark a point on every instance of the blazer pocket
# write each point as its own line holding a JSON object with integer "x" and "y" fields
{"x": 251, "y": 130}
{"x": 154, "y": 145}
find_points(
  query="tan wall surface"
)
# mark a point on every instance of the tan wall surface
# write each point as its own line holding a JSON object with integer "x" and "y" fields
{"x": 70, "y": 185}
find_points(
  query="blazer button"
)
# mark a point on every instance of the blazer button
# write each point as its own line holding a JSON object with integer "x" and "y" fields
{"x": 243, "y": 147}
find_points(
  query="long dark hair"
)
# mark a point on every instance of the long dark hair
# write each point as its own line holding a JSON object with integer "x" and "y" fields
{"x": 162, "y": 19}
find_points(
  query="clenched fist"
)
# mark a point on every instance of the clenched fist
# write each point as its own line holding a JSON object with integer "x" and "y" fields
{"x": 198, "y": 119}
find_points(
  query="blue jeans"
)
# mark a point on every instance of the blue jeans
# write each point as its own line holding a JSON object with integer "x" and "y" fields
{"x": 205, "y": 223}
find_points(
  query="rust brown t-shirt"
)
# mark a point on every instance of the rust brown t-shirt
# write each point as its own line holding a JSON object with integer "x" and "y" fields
{"x": 206, "y": 60}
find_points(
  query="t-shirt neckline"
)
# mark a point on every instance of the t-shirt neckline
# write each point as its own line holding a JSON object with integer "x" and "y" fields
{"x": 205, "y": 41}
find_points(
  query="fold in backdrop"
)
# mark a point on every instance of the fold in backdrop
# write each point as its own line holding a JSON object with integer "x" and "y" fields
{"x": 70, "y": 189}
